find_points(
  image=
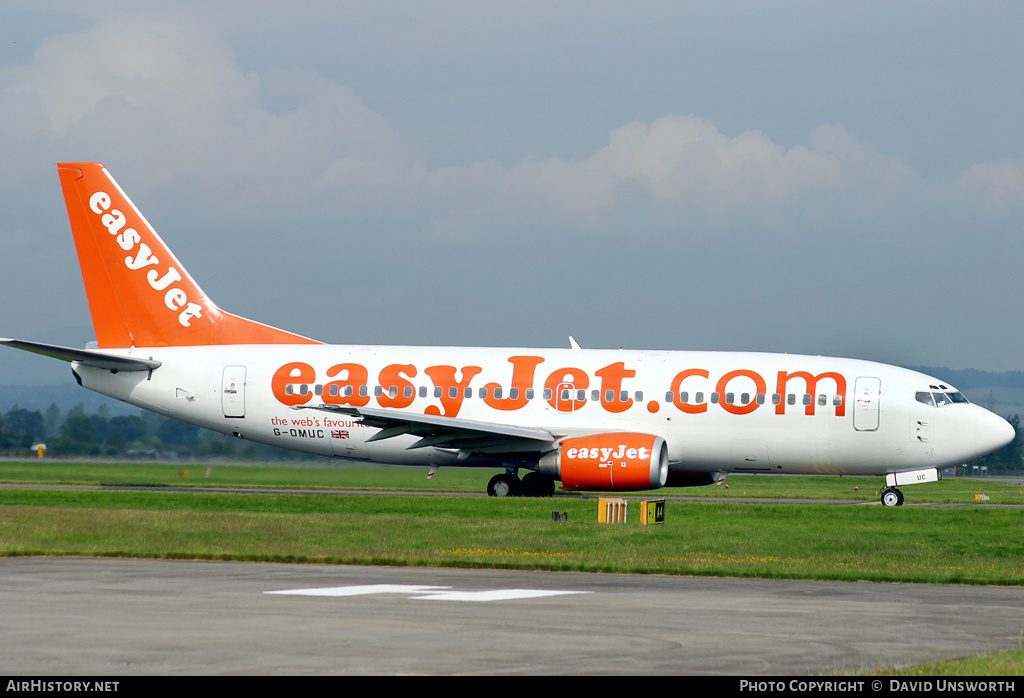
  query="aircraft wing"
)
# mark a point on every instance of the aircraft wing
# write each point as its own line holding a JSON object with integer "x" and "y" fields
{"x": 108, "y": 362}
{"x": 447, "y": 432}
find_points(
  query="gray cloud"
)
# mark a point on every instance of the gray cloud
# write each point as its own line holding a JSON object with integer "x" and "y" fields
{"x": 415, "y": 167}
{"x": 999, "y": 184}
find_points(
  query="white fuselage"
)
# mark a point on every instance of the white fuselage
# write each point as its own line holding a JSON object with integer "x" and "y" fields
{"x": 717, "y": 411}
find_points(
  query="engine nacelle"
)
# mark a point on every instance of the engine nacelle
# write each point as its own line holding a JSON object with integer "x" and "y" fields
{"x": 614, "y": 461}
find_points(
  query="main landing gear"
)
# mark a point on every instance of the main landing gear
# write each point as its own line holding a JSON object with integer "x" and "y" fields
{"x": 507, "y": 484}
{"x": 892, "y": 497}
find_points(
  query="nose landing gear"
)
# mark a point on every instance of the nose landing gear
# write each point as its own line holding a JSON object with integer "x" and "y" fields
{"x": 892, "y": 497}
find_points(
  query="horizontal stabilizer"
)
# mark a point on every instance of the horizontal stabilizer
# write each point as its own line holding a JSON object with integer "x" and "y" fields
{"x": 98, "y": 359}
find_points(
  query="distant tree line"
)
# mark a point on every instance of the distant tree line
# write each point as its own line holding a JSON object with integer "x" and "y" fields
{"x": 146, "y": 435}
{"x": 970, "y": 378}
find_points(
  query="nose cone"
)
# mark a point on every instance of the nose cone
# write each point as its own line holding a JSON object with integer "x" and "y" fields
{"x": 992, "y": 432}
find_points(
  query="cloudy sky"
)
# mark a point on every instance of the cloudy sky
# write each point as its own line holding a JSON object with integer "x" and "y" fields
{"x": 825, "y": 178}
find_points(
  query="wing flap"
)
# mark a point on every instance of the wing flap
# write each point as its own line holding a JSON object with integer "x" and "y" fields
{"x": 447, "y": 432}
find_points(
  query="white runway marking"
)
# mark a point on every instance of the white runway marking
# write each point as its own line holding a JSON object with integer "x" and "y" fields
{"x": 495, "y": 595}
{"x": 361, "y": 590}
{"x": 429, "y": 593}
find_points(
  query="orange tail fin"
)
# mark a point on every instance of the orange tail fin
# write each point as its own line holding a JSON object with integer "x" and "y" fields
{"x": 139, "y": 294}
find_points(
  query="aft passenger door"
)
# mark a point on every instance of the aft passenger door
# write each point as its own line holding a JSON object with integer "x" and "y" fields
{"x": 232, "y": 391}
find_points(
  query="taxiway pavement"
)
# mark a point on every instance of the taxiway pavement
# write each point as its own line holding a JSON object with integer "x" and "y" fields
{"x": 112, "y": 617}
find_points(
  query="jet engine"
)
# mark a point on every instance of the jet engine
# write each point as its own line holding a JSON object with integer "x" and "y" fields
{"x": 615, "y": 461}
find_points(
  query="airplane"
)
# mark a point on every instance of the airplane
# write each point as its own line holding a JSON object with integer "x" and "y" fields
{"x": 593, "y": 420}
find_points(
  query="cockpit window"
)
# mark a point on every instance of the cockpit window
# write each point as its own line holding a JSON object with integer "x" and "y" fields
{"x": 939, "y": 399}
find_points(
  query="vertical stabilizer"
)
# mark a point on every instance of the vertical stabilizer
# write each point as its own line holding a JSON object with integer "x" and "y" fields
{"x": 139, "y": 294}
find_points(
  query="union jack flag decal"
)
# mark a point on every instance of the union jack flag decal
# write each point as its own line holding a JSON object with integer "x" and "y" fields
{"x": 339, "y": 434}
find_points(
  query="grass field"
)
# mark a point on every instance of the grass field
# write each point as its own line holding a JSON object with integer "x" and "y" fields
{"x": 1008, "y": 663}
{"x": 969, "y": 545}
{"x": 961, "y": 545}
{"x": 866, "y": 489}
